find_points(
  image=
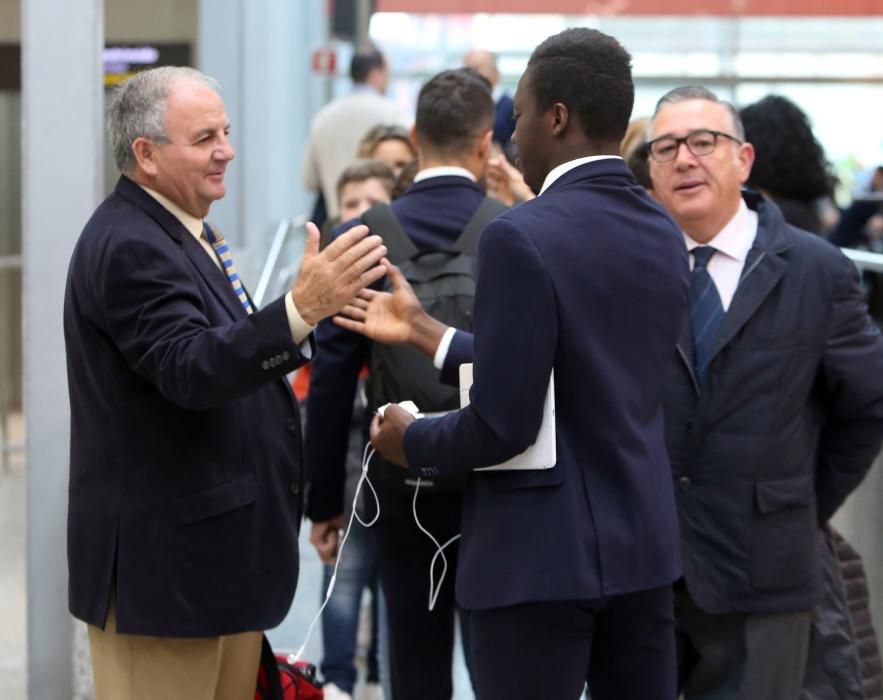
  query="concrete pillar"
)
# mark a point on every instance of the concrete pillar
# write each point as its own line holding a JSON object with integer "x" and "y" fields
{"x": 61, "y": 185}
{"x": 260, "y": 53}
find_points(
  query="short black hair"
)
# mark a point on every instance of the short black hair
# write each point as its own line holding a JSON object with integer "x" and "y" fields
{"x": 788, "y": 160}
{"x": 591, "y": 74}
{"x": 453, "y": 109}
{"x": 364, "y": 61}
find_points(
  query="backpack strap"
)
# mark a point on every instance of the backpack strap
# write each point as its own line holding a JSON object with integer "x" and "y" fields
{"x": 273, "y": 689}
{"x": 488, "y": 210}
{"x": 382, "y": 221}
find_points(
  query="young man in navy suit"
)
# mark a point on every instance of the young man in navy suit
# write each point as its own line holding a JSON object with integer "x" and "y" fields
{"x": 567, "y": 571}
{"x": 452, "y": 132}
{"x": 185, "y": 470}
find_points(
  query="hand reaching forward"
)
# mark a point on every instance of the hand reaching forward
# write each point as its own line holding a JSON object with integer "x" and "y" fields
{"x": 388, "y": 434}
{"x": 328, "y": 280}
{"x": 392, "y": 318}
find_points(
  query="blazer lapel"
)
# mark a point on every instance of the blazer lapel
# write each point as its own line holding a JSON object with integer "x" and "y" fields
{"x": 763, "y": 270}
{"x": 685, "y": 350}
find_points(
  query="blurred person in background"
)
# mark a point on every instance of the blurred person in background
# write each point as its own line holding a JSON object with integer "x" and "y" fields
{"x": 634, "y": 151}
{"x": 452, "y": 132}
{"x": 392, "y": 144}
{"x": 789, "y": 167}
{"x": 361, "y": 185}
{"x": 339, "y": 126}
{"x": 485, "y": 63}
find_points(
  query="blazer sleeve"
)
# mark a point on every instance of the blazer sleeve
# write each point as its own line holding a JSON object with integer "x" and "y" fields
{"x": 155, "y": 314}
{"x": 340, "y": 355}
{"x": 459, "y": 352}
{"x": 516, "y": 331}
{"x": 852, "y": 385}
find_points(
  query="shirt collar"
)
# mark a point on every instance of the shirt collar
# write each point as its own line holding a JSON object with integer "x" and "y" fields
{"x": 736, "y": 238}
{"x": 560, "y": 170}
{"x": 188, "y": 221}
{"x": 443, "y": 171}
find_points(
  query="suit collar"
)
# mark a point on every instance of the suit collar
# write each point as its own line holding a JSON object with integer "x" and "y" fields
{"x": 449, "y": 181}
{"x": 560, "y": 170}
{"x": 765, "y": 265}
{"x": 607, "y": 167}
{"x": 215, "y": 279}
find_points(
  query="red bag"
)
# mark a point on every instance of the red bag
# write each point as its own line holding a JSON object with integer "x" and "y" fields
{"x": 280, "y": 680}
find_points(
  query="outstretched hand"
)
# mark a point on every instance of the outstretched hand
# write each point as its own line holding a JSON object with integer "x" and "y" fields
{"x": 393, "y": 318}
{"x": 329, "y": 279}
{"x": 383, "y": 316}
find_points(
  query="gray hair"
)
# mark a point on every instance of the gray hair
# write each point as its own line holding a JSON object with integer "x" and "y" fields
{"x": 698, "y": 92}
{"x": 138, "y": 109}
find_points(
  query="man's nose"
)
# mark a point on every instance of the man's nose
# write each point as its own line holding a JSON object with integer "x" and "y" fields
{"x": 224, "y": 150}
{"x": 683, "y": 156}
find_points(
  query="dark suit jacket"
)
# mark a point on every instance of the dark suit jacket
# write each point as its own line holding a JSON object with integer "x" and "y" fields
{"x": 590, "y": 279}
{"x": 433, "y": 213}
{"x": 787, "y": 426}
{"x": 504, "y": 124}
{"x": 185, "y": 474}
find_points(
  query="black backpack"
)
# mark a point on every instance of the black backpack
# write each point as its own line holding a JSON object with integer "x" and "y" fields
{"x": 444, "y": 281}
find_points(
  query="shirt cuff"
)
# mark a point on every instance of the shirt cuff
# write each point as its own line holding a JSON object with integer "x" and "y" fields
{"x": 441, "y": 352}
{"x": 300, "y": 329}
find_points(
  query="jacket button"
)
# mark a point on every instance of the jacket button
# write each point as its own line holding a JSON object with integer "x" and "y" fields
{"x": 295, "y": 488}
{"x": 286, "y": 356}
{"x": 684, "y": 483}
{"x": 265, "y": 365}
{"x": 291, "y": 424}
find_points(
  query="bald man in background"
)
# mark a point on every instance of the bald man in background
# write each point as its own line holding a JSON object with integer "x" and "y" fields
{"x": 485, "y": 63}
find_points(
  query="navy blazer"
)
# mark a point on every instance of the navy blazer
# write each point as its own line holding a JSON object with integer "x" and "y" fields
{"x": 185, "y": 470}
{"x": 433, "y": 213}
{"x": 589, "y": 279}
{"x": 787, "y": 425}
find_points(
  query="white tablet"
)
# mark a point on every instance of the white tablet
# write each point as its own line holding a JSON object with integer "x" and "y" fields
{"x": 540, "y": 455}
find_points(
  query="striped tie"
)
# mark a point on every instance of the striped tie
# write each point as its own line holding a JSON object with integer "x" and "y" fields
{"x": 706, "y": 310}
{"x": 219, "y": 243}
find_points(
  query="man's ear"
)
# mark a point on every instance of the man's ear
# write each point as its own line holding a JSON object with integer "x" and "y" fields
{"x": 745, "y": 158}
{"x": 483, "y": 147}
{"x": 560, "y": 116}
{"x": 144, "y": 151}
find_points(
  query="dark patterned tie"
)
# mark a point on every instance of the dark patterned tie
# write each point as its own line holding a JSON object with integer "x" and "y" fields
{"x": 706, "y": 310}
{"x": 219, "y": 243}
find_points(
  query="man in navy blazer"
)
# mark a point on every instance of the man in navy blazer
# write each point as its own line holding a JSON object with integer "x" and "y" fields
{"x": 185, "y": 472}
{"x": 771, "y": 423}
{"x": 568, "y": 571}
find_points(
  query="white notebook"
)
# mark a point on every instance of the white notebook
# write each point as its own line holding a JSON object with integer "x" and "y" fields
{"x": 540, "y": 455}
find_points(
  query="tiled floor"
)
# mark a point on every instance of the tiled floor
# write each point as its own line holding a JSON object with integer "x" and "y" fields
{"x": 287, "y": 636}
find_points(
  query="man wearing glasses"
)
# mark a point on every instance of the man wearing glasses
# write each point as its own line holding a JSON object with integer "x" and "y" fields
{"x": 774, "y": 409}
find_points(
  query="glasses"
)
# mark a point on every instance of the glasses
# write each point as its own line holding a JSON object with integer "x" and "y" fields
{"x": 700, "y": 142}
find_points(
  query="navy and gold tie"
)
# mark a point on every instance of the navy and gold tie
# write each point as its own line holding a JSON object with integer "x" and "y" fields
{"x": 219, "y": 243}
{"x": 706, "y": 310}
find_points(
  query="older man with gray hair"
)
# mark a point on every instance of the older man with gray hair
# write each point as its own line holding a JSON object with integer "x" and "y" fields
{"x": 773, "y": 410}
{"x": 185, "y": 471}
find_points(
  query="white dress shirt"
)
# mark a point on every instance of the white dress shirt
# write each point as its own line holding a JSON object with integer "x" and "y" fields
{"x": 443, "y": 171}
{"x": 732, "y": 245}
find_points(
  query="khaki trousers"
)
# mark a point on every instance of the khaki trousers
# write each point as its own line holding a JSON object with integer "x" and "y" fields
{"x": 138, "y": 667}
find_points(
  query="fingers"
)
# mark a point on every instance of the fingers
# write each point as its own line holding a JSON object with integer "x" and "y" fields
{"x": 346, "y": 240}
{"x": 354, "y": 312}
{"x": 311, "y": 248}
{"x": 349, "y": 324}
{"x": 374, "y": 430}
{"x": 395, "y": 275}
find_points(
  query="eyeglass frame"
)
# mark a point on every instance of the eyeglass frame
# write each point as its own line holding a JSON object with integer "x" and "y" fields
{"x": 685, "y": 141}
